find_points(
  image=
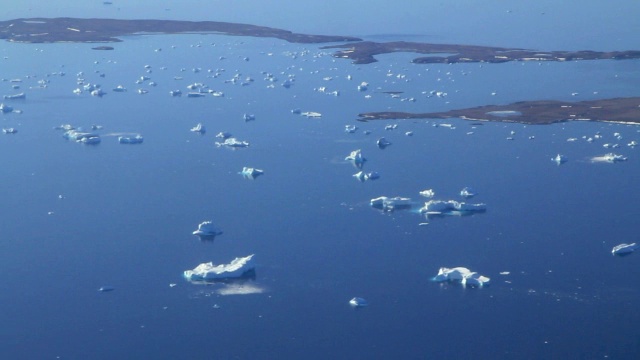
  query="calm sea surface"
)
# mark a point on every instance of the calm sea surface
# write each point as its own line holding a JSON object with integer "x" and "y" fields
{"x": 77, "y": 217}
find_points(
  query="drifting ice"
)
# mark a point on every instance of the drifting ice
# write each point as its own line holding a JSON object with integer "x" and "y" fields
{"x": 386, "y": 203}
{"x": 207, "y": 228}
{"x": 358, "y": 302}
{"x": 462, "y": 276}
{"x": 450, "y": 207}
{"x": 624, "y": 249}
{"x": 251, "y": 173}
{"x": 239, "y": 267}
{"x": 356, "y": 158}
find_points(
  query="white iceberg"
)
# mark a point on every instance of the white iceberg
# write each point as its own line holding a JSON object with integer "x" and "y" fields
{"x": 119, "y": 88}
{"x": 233, "y": 143}
{"x": 248, "y": 117}
{"x": 624, "y": 249}
{"x": 75, "y": 135}
{"x": 363, "y": 176}
{"x": 429, "y": 193}
{"x": 138, "y": 139}
{"x": 609, "y": 157}
{"x": 199, "y": 128}
{"x": 223, "y": 135}
{"x": 356, "y": 158}
{"x": 206, "y": 228}
{"x": 462, "y": 276}
{"x": 238, "y": 268}
{"x": 450, "y": 207}
{"x": 5, "y": 108}
{"x": 350, "y": 129}
{"x": 358, "y": 302}
{"x": 393, "y": 203}
{"x": 251, "y": 173}
{"x": 559, "y": 159}
{"x": 467, "y": 192}
{"x": 15, "y": 96}
{"x": 9, "y": 130}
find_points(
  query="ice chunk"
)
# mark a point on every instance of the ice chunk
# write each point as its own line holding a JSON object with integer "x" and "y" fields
{"x": 467, "y": 192}
{"x": 429, "y": 193}
{"x": 199, "y": 128}
{"x": 559, "y": 159}
{"x": 363, "y": 176}
{"x": 624, "y": 249}
{"x": 106, "y": 288}
{"x": 462, "y": 276}
{"x": 251, "y": 173}
{"x": 238, "y": 268}
{"x": 9, "y": 130}
{"x": 356, "y": 158}
{"x": 358, "y": 302}
{"x": 233, "y": 143}
{"x": 138, "y": 139}
{"x": 609, "y": 157}
{"x": 393, "y": 203}
{"x": 5, "y": 108}
{"x": 206, "y": 228}
{"x": 248, "y": 117}
{"x": 350, "y": 129}
{"x": 383, "y": 143}
{"x": 450, "y": 207}
{"x": 224, "y": 135}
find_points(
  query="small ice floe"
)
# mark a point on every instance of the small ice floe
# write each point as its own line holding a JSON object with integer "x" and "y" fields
{"x": 356, "y": 158}
{"x": 467, "y": 193}
{"x": 9, "y": 130}
{"x": 233, "y": 143}
{"x": 175, "y": 93}
{"x": 311, "y": 114}
{"x": 391, "y": 127}
{"x": 248, "y": 117}
{"x": 409, "y": 133}
{"x": 138, "y": 139}
{"x": 79, "y": 136}
{"x": 363, "y": 86}
{"x": 559, "y": 159}
{"x": 19, "y": 96}
{"x": 199, "y": 128}
{"x": 251, "y": 173}
{"x": 383, "y": 143}
{"x": 90, "y": 140}
{"x": 106, "y": 288}
{"x": 609, "y": 157}
{"x": 350, "y": 129}
{"x": 429, "y": 193}
{"x": 142, "y": 91}
{"x": 358, "y": 302}
{"x": 433, "y": 208}
{"x": 119, "y": 88}
{"x": 223, "y": 135}
{"x": 363, "y": 176}
{"x": 624, "y": 249}
{"x": 206, "y": 273}
{"x": 206, "y": 228}
{"x": 461, "y": 275}
{"x": 5, "y": 108}
{"x": 390, "y": 204}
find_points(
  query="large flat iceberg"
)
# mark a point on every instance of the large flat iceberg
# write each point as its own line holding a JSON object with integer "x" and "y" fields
{"x": 389, "y": 204}
{"x": 238, "y": 268}
{"x": 451, "y": 207}
{"x": 462, "y": 276}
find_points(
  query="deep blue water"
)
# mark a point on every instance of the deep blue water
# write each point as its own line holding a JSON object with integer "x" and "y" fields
{"x": 127, "y": 211}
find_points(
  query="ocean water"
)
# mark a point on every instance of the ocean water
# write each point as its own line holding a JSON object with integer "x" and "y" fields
{"x": 77, "y": 217}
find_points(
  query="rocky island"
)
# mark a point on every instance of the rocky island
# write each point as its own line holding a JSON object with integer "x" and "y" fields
{"x": 364, "y": 52}
{"x": 619, "y": 110}
{"x": 49, "y": 30}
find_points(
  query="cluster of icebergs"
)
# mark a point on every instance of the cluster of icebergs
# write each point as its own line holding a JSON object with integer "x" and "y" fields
{"x": 461, "y": 275}
{"x": 432, "y": 208}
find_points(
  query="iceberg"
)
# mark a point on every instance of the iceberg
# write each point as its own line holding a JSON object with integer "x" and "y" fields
{"x": 391, "y": 204}
{"x": 429, "y": 193}
{"x": 130, "y": 139}
{"x": 199, "y": 129}
{"x": 5, "y": 108}
{"x": 383, "y": 143}
{"x": 559, "y": 159}
{"x": 78, "y": 135}
{"x": 9, "y": 130}
{"x": 251, "y": 173}
{"x": 15, "y": 96}
{"x": 450, "y": 207}
{"x": 363, "y": 176}
{"x": 223, "y": 135}
{"x": 350, "y": 129}
{"x": 461, "y": 275}
{"x": 624, "y": 249}
{"x": 175, "y": 93}
{"x": 233, "y": 143}
{"x": 206, "y": 228}
{"x": 467, "y": 192}
{"x": 119, "y": 88}
{"x": 238, "y": 268}
{"x": 609, "y": 157}
{"x": 358, "y": 302}
{"x": 248, "y": 117}
{"x": 356, "y": 158}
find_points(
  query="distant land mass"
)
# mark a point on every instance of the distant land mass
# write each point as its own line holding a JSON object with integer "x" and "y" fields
{"x": 50, "y": 30}
{"x": 363, "y": 53}
{"x": 619, "y": 110}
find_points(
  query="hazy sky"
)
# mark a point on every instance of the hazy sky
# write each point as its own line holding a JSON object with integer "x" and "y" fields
{"x": 544, "y": 24}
